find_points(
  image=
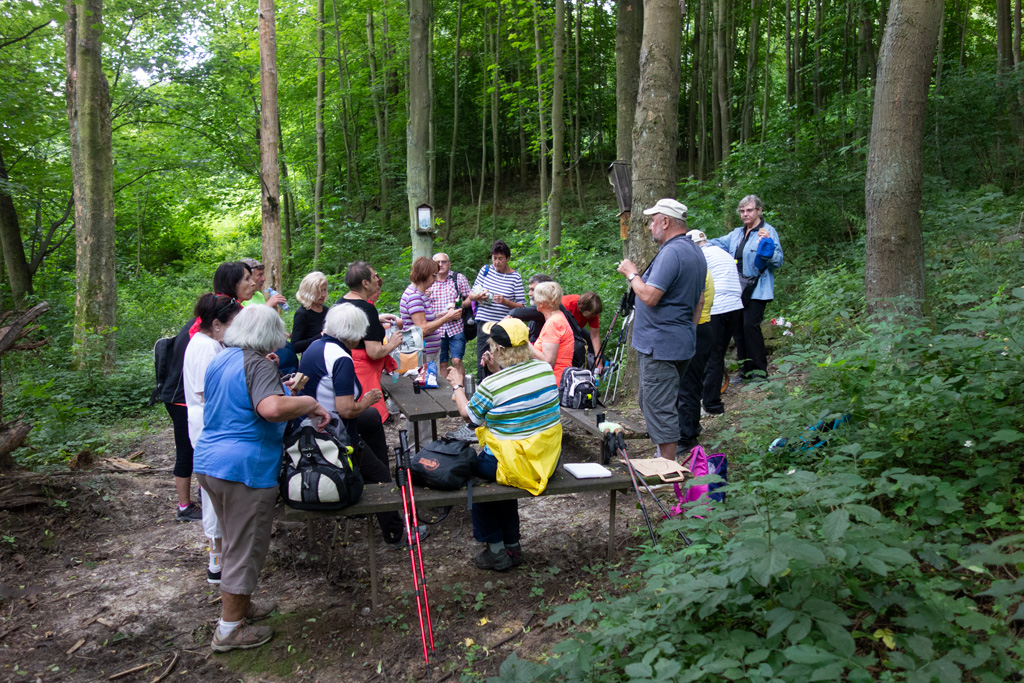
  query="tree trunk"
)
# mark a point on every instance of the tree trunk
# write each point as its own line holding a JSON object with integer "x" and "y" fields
{"x": 656, "y": 127}
{"x": 819, "y": 85}
{"x": 1004, "y": 36}
{"x": 10, "y": 239}
{"x": 703, "y": 88}
{"x": 748, "y": 90}
{"x": 789, "y": 53}
{"x": 92, "y": 166}
{"x": 351, "y": 150}
{"x": 342, "y": 93}
{"x": 894, "y": 265}
{"x": 417, "y": 169}
{"x": 767, "y": 73}
{"x": 495, "y": 128}
{"x": 542, "y": 130}
{"x": 695, "y": 102}
{"x": 483, "y": 158}
{"x": 431, "y": 148}
{"x": 576, "y": 110}
{"x": 377, "y": 94}
{"x": 721, "y": 75}
{"x": 524, "y": 152}
{"x": 963, "y": 35}
{"x": 628, "y": 32}
{"x": 455, "y": 123}
{"x": 557, "y": 134}
{"x": 271, "y": 182}
{"x": 321, "y": 137}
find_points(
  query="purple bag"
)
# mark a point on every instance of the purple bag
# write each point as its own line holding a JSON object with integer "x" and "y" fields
{"x": 701, "y": 465}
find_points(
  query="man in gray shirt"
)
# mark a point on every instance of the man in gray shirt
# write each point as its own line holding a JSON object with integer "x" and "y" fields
{"x": 669, "y": 299}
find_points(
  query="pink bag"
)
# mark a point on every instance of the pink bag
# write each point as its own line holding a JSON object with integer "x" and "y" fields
{"x": 701, "y": 465}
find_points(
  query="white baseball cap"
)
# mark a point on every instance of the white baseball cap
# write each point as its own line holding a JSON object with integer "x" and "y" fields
{"x": 669, "y": 207}
{"x": 697, "y": 236}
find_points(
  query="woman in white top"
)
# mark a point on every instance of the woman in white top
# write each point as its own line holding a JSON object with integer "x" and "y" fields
{"x": 214, "y": 314}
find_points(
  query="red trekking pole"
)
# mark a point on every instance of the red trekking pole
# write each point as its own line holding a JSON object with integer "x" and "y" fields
{"x": 419, "y": 579}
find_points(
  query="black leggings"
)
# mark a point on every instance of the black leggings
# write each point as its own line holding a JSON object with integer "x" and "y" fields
{"x": 182, "y": 444}
{"x": 374, "y": 468}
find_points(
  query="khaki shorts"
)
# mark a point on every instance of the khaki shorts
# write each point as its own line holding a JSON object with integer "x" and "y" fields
{"x": 246, "y": 520}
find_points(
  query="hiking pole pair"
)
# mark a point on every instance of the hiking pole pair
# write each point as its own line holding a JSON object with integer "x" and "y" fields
{"x": 412, "y": 534}
{"x": 610, "y": 436}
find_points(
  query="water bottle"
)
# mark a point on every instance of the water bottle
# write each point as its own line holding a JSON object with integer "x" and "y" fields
{"x": 470, "y": 385}
{"x": 284, "y": 304}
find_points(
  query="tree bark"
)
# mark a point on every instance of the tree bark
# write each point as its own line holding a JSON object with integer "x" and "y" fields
{"x": 703, "y": 90}
{"x": 557, "y": 134}
{"x": 894, "y": 265}
{"x": 628, "y": 33}
{"x": 431, "y": 148}
{"x": 576, "y": 112}
{"x": 767, "y": 73}
{"x": 483, "y": 158}
{"x": 819, "y": 85}
{"x": 417, "y": 169}
{"x": 18, "y": 272}
{"x": 455, "y": 123}
{"x": 495, "y": 127}
{"x": 1004, "y": 37}
{"x": 748, "y": 91}
{"x": 92, "y": 166}
{"x": 321, "y": 137}
{"x": 656, "y": 127}
{"x": 721, "y": 76}
{"x": 377, "y": 90}
{"x": 287, "y": 201}
{"x": 270, "y": 180}
{"x": 542, "y": 129}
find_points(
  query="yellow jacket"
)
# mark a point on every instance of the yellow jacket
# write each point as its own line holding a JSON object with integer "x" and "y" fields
{"x": 525, "y": 463}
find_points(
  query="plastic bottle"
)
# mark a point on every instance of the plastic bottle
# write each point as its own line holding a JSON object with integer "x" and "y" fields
{"x": 284, "y": 304}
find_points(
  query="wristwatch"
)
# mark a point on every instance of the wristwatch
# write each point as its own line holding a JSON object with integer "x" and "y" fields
{"x": 458, "y": 386}
{"x": 631, "y": 276}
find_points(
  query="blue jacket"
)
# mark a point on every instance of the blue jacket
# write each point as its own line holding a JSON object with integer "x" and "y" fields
{"x": 765, "y": 289}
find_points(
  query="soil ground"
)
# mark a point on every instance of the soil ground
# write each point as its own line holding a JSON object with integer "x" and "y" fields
{"x": 100, "y": 579}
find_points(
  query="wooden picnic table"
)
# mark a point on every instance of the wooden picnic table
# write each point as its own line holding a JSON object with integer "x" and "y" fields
{"x": 428, "y": 404}
{"x": 387, "y": 497}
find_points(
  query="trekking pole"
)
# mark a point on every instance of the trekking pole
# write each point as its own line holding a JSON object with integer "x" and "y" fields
{"x": 624, "y": 355}
{"x": 405, "y": 488}
{"x": 403, "y": 441}
{"x": 610, "y": 440}
{"x": 621, "y": 445}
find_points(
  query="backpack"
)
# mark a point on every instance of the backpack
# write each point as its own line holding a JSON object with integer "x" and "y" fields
{"x": 577, "y": 389}
{"x": 445, "y": 464}
{"x": 468, "y": 314}
{"x": 318, "y": 472}
{"x": 163, "y": 351}
{"x": 582, "y": 353}
{"x": 701, "y": 465}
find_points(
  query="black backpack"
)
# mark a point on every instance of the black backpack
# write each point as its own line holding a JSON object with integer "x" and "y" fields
{"x": 163, "y": 351}
{"x": 318, "y": 472}
{"x": 582, "y": 351}
{"x": 468, "y": 314}
{"x": 445, "y": 464}
{"x": 577, "y": 389}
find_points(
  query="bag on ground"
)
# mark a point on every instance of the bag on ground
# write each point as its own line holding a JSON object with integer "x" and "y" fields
{"x": 577, "y": 389}
{"x": 445, "y": 464}
{"x": 318, "y": 471}
{"x": 701, "y": 465}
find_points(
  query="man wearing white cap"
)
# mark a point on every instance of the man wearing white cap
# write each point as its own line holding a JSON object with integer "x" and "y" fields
{"x": 669, "y": 298}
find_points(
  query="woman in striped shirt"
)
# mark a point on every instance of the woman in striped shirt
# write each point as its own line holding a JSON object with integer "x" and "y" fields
{"x": 517, "y": 419}
{"x": 417, "y": 310}
{"x": 497, "y": 290}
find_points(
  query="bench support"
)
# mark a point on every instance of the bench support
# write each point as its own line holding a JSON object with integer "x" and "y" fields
{"x": 611, "y": 525}
{"x": 375, "y": 601}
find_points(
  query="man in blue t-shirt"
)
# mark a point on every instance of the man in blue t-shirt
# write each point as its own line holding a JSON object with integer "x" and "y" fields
{"x": 669, "y": 299}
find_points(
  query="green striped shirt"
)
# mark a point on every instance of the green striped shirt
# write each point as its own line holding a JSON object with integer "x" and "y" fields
{"x": 517, "y": 402}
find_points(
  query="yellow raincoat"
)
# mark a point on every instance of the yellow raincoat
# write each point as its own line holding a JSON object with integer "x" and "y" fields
{"x": 526, "y": 463}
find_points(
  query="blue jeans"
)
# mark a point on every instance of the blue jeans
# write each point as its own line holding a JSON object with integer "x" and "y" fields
{"x": 497, "y": 521}
{"x": 453, "y": 347}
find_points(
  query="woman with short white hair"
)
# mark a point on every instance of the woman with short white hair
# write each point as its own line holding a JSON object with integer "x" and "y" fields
{"x": 309, "y": 318}
{"x": 555, "y": 343}
{"x": 237, "y": 461}
{"x": 333, "y": 381}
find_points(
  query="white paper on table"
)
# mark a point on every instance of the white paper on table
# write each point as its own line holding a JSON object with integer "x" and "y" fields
{"x": 587, "y": 470}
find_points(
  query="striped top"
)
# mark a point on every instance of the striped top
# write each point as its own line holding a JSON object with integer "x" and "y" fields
{"x": 509, "y": 285}
{"x": 518, "y": 401}
{"x": 415, "y": 301}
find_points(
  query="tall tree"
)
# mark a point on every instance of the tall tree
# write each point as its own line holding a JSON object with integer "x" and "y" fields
{"x": 656, "y": 121}
{"x": 628, "y": 33}
{"x": 894, "y": 265}
{"x": 495, "y": 128}
{"x": 455, "y": 121}
{"x": 321, "y": 136}
{"x": 748, "y": 90}
{"x": 378, "y": 92}
{"x": 542, "y": 129}
{"x": 417, "y": 169}
{"x": 722, "y": 64}
{"x": 270, "y": 181}
{"x": 10, "y": 240}
{"x": 92, "y": 165}
{"x": 557, "y": 134}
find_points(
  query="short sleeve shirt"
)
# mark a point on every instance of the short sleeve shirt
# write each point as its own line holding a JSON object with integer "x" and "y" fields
{"x": 509, "y": 285}
{"x": 517, "y": 402}
{"x": 201, "y": 350}
{"x": 556, "y": 331}
{"x": 667, "y": 330}
{"x": 415, "y": 301}
{"x": 571, "y": 302}
{"x": 444, "y": 294}
{"x": 328, "y": 364}
{"x": 375, "y": 332}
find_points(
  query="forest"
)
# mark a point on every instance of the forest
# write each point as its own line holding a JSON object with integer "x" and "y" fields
{"x": 143, "y": 142}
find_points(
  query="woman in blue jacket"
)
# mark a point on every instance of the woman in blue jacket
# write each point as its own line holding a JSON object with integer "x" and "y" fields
{"x": 742, "y": 244}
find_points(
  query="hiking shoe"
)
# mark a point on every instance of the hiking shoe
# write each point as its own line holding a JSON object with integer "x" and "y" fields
{"x": 464, "y": 433}
{"x": 515, "y": 552}
{"x": 193, "y": 513}
{"x": 499, "y": 562}
{"x": 259, "y": 609}
{"x": 212, "y": 576}
{"x": 245, "y": 637}
{"x": 422, "y": 531}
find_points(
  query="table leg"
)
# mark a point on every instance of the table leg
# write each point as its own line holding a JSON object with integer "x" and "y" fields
{"x": 433, "y": 430}
{"x": 611, "y": 525}
{"x": 416, "y": 435}
{"x": 373, "y": 561}
{"x": 310, "y": 534}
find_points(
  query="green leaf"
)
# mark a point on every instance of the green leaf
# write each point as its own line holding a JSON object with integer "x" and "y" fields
{"x": 874, "y": 565}
{"x": 838, "y": 637}
{"x": 799, "y": 629}
{"x": 1007, "y": 436}
{"x": 639, "y": 670}
{"x": 835, "y": 525}
{"x": 667, "y": 669}
{"x": 808, "y": 654}
{"x": 829, "y": 672}
{"x": 896, "y": 557}
{"x": 763, "y": 570}
{"x": 921, "y": 646}
{"x": 782, "y": 618}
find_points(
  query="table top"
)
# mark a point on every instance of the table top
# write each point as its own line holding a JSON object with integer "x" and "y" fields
{"x": 429, "y": 404}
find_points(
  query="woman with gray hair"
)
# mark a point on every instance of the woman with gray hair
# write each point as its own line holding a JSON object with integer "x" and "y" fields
{"x": 333, "y": 382}
{"x": 237, "y": 461}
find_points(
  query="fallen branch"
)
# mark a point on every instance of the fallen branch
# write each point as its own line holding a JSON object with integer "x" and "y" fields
{"x": 124, "y": 673}
{"x": 174, "y": 660}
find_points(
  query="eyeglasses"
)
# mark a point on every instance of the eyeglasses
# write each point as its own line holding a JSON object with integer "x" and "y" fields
{"x": 439, "y": 261}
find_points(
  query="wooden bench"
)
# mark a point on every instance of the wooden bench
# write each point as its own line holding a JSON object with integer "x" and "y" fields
{"x": 386, "y": 498}
{"x": 587, "y": 419}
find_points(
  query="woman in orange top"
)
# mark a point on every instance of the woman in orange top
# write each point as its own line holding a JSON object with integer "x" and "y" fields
{"x": 555, "y": 343}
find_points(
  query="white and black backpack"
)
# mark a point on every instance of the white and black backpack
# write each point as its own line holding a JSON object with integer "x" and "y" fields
{"x": 318, "y": 471}
{"x": 577, "y": 389}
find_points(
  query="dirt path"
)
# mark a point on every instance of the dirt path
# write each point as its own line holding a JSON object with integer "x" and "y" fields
{"x": 102, "y": 580}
